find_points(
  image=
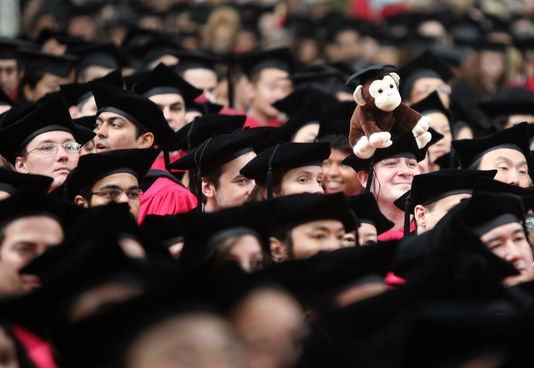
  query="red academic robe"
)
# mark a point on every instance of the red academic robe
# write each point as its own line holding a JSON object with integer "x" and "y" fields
{"x": 165, "y": 197}
{"x": 39, "y": 350}
{"x": 391, "y": 279}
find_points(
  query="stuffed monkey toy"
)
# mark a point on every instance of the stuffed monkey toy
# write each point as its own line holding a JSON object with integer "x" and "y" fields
{"x": 380, "y": 112}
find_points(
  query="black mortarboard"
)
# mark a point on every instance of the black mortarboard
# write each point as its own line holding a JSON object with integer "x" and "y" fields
{"x": 218, "y": 150}
{"x": 75, "y": 93}
{"x": 255, "y": 61}
{"x": 509, "y": 101}
{"x": 53, "y": 115}
{"x": 88, "y": 122}
{"x": 403, "y": 144}
{"x": 430, "y": 187}
{"x": 317, "y": 73}
{"x": 9, "y": 47}
{"x": 164, "y": 230}
{"x": 105, "y": 55}
{"x": 309, "y": 113}
{"x": 341, "y": 110}
{"x": 25, "y": 203}
{"x": 40, "y": 62}
{"x": 300, "y": 97}
{"x": 488, "y": 45}
{"x": 95, "y": 166}
{"x": 62, "y": 38}
{"x": 285, "y": 156}
{"x": 163, "y": 80}
{"x": 196, "y": 60}
{"x": 449, "y": 54}
{"x": 136, "y": 108}
{"x": 468, "y": 151}
{"x": 159, "y": 46}
{"x": 366, "y": 208}
{"x": 368, "y": 73}
{"x": 426, "y": 65}
{"x": 431, "y": 104}
{"x": 331, "y": 126}
{"x": 12, "y": 182}
{"x": 206, "y": 126}
{"x": 203, "y": 231}
{"x": 297, "y": 209}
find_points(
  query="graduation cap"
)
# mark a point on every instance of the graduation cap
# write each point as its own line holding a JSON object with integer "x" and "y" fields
{"x": 163, "y": 230}
{"x": 309, "y": 113}
{"x": 53, "y": 115}
{"x": 432, "y": 104}
{"x": 365, "y": 207}
{"x": 88, "y": 122}
{"x": 297, "y": 209}
{"x": 62, "y": 38}
{"x": 203, "y": 231}
{"x": 206, "y": 126}
{"x": 452, "y": 55}
{"x": 9, "y": 47}
{"x": 255, "y": 61}
{"x": 426, "y": 65}
{"x": 105, "y": 55}
{"x": 341, "y": 110}
{"x": 136, "y": 108}
{"x": 159, "y": 46}
{"x": 93, "y": 167}
{"x": 300, "y": 98}
{"x": 196, "y": 60}
{"x": 163, "y": 80}
{"x": 469, "y": 151}
{"x": 26, "y": 203}
{"x": 330, "y": 126}
{"x": 431, "y": 187}
{"x": 76, "y": 93}
{"x": 509, "y": 101}
{"x": 488, "y": 45}
{"x": 11, "y": 182}
{"x": 283, "y": 157}
{"x": 363, "y": 75}
{"x": 40, "y": 62}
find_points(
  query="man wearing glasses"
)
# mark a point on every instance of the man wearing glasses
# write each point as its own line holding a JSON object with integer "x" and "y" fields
{"x": 44, "y": 142}
{"x": 104, "y": 178}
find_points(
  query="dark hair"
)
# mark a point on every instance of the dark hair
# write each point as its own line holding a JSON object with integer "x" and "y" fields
{"x": 30, "y": 78}
{"x": 337, "y": 141}
{"x": 283, "y": 233}
{"x": 261, "y": 186}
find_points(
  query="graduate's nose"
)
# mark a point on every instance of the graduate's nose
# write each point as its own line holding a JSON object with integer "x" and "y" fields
{"x": 512, "y": 252}
{"x": 513, "y": 177}
{"x": 317, "y": 188}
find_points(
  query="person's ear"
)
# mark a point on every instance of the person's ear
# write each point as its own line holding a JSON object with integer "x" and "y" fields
{"x": 81, "y": 201}
{"x": 74, "y": 112}
{"x": 208, "y": 189}
{"x": 20, "y": 165}
{"x": 145, "y": 140}
{"x": 279, "y": 251}
{"x": 362, "y": 178}
{"x": 420, "y": 216}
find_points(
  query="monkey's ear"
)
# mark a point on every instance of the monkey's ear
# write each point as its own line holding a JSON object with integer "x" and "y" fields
{"x": 395, "y": 77}
{"x": 358, "y": 95}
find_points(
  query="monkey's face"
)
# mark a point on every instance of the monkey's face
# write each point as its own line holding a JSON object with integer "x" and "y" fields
{"x": 385, "y": 93}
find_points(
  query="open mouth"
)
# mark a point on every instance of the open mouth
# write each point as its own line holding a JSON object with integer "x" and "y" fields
{"x": 101, "y": 147}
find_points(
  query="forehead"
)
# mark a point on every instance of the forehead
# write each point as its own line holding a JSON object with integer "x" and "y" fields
{"x": 428, "y": 81}
{"x": 167, "y": 99}
{"x": 313, "y": 169}
{"x": 437, "y": 118}
{"x": 31, "y": 220}
{"x": 55, "y": 136}
{"x": 122, "y": 179}
{"x": 332, "y": 225}
{"x": 273, "y": 74}
{"x": 107, "y": 115}
{"x": 451, "y": 199}
{"x": 509, "y": 153}
{"x": 502, "y": 230}
{"x": 240, "y": 161}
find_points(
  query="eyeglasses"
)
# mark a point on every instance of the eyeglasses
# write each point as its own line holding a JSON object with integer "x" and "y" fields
{"x": 529, "y": 223}
{"x": 48, "y": 149}
{"x": 445, "y": 89}
{"x": 115, "y": 194}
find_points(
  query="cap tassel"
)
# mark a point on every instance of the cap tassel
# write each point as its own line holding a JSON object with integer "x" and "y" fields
{"x": 369, "y": 180}
{"x": 270, "y": 173}
{"x": 167, "y": 159}
{"x": 407, "y": 218}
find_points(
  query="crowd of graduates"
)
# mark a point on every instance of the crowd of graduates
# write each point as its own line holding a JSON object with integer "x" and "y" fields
{"x": 178, "y": 189}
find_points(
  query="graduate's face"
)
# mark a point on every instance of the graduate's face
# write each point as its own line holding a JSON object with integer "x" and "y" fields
{"x": 27, "y": 238}
{"x": 204, "y": 79}
{"x": 272, "y": 85}
{"x": 114, "y": 131}
{"x": 306, "y": 134}
{"x": 509, "y": 242}
{"x": 173, "y": 107}
{"x": 194, "y": 339}
{"x": 48, "y": 83}
{"x": 428, "y": 216}
{"x": 440, "y": 123}
{"x": 108, "y": 186}
{"x": 8, "y": 75}
{"x": 425, "y": 86}
{"x": 247, "y": 253}
{"x": 392, "y": 178}
{"x": 317, "y": 236}
{"x": 233, "y": 188}
{"x": 339, "y": 177}
{"x": 88, "y": 108}
{"x": 55, "y": 165}
{"x": 367, "y": 234}
{"x": 305, "y": 179}
{"x": 511, "y": 165}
